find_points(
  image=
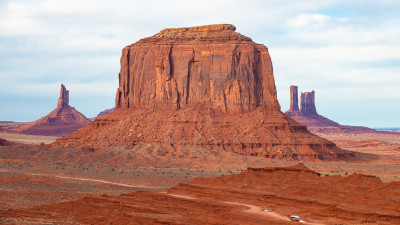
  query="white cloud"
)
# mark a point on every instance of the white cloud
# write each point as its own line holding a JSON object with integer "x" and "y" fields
{"x": 303, "y": 20}
{"x": 323, "y": 45}
{"x": 16, "y": 20}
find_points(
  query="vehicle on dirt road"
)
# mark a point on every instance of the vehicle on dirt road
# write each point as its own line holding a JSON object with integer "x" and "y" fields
{"x": 295, "y": 218}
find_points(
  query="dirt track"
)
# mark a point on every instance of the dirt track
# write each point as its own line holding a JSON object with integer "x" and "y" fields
{"x": 236, "y": 199}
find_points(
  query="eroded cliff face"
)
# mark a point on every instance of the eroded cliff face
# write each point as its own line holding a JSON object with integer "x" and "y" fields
{"x": 200, "y": 87}
{"x": 307, "y": 102}
{"x": 294, "y": 99}
{"x": 63, "y": 100}
{"x": 208, "y": 66}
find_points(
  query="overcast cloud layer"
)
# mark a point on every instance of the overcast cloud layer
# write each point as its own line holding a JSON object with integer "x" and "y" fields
{"x": 347, "y": 51}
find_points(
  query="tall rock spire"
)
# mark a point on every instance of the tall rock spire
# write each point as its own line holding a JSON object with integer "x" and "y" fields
{"x": 63, "y": 100}
{"x": 61, "y": 121}
{"x": 307, "y": 102}
{"x": 294, "y": 99}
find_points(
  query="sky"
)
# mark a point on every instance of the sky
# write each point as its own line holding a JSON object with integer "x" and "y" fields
{"x": 347, "y": 51}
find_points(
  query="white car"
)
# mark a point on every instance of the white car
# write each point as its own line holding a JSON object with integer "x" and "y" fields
{"x": 295, "y": 218}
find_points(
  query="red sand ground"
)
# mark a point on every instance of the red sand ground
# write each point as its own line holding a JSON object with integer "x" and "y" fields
{"x": 36, "y": 175}
{"x": 236, "y": 199}
{"x": 382, "y": 143}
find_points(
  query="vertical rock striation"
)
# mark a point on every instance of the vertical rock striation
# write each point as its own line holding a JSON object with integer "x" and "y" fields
{"x": 200, "y": 87}
{"x": 209, "y": 66}
{"x": 63, "y": 100}
{"x": 307, "y": 102}
{"x": 294, "y": 99}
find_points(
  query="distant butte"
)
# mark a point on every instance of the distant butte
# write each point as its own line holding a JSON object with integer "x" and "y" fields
{"x": 61, "y": 121}
{"x": 308, "y": 116}
{"x": 201, "y": 87}
{"x": 105, "y": 112}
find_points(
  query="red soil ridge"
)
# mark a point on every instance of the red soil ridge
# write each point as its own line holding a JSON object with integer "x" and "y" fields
{"x": 237, "y": 199}
{"x": 61, "y": 121}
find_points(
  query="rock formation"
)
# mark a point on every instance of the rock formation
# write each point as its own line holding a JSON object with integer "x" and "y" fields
{"x": 4, "y": 142}
{"x": 316, "y": 123}
{"x": 63, "y": 100}
{"x": 208, "y": 66}
{"x": 294, "y": 99}
{"x": 105, "y": 112}
{"x": 307, "y": 102}
{"x": 201, "y": 87}
{"x": 61, "y": 121}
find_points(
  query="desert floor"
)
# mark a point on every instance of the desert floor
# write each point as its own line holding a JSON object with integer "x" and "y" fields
{"x": 32, "y": 175}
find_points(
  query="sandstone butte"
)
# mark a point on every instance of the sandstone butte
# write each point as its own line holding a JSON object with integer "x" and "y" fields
{"x": 308, "y": 116}
{"x": 61, "y": 121}
{"x": 201, "y": 87}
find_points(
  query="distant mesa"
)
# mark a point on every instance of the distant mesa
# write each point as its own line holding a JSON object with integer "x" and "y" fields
{"x": 308, "y": 116}
{"x": 61, "y": 121}
{"x": 105, "y": 112}
{"x": 201, "y": 87}
{"x": 10, "y": 126}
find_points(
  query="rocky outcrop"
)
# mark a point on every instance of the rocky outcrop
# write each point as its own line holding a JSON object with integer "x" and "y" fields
{"x": 294, "y": 99}
{"x": 307, "y": 102}
{"x": 4, "y": 142}
{"x": 316, "y": 123}
{"x": 61, "y": 121}
{"x": 208, "y": 66}
{"x": 201, "y": 87}
{"x": 63, "y": 100}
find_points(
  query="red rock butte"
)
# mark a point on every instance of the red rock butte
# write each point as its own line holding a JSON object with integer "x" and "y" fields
{"x": 201, "y": 87}
{"x": 208, "y": 66}
{"x": 61, "y": 121}
{"x": 308, "y": 116}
